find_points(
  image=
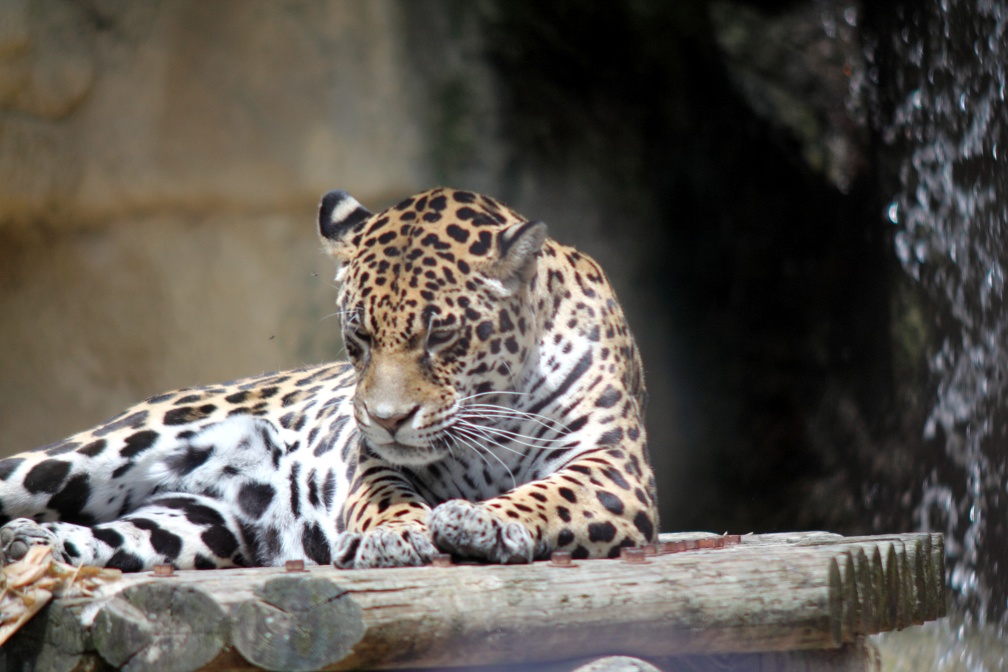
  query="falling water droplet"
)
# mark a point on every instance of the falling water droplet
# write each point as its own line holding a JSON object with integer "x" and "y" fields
{"x": 995, "y": 279}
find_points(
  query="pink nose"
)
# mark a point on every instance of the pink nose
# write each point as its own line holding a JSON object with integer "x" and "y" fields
{"x": 392, "y": 423}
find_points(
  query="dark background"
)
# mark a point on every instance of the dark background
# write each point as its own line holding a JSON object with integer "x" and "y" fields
{"x": 776, "y": 281}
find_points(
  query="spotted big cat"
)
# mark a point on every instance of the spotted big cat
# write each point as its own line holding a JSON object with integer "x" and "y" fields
{"x": 492, "y": 407}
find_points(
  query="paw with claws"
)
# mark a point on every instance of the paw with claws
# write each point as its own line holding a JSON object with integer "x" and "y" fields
{"x": 386, "y": 546}
{"x": 20, "y": 534}
{"x": 470, "y": 530}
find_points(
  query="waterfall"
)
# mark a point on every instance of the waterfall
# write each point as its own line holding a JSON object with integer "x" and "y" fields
{"x": 941, "y": 69}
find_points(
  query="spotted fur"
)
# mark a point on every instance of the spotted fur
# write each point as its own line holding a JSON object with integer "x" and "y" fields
{"x": 492, "y": 408}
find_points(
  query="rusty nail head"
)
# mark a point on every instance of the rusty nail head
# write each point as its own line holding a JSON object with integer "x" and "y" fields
{"x": 635, "y": 555}
{"x": 671, "y": 547}
{"x": 163, "y": 570}
{"x": 667, "y": 547}
{"x": 294, "y": 566}
{"x": 680, "y": 546}
{"x": 441, "y": 560}
{"x": 561, "y": 559}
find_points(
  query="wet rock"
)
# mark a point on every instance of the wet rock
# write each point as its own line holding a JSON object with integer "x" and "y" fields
{"x": 802, "y": 69}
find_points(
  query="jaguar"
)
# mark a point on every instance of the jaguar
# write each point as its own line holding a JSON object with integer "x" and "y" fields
{"x": 492, "y": 408}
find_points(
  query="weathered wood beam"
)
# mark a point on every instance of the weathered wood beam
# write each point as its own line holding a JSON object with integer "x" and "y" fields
{"x": 769, "y": 593}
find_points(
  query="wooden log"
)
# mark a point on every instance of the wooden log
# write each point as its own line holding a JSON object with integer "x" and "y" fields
{"x": 705, "y": 605}
{"x": 887, "y": 572}
{"x": 698, "y": 602}
{"x": 895, "y": 586}
{"x": 917, "y": 577}
{"x": 848, "y": 616}
{"x": 938, "y": 569}
{"x": 901, "y": 599}
{"x": 919, "y": 561}
{"x": 849, "y": 599}
{"x": 927, "y": 572}
{"x": 878, "y": 582}
{"x": 877, "y": 596}
{"x": 156, "y": 626}
{"x": 792, "y": 539}
{"x": 864, "y": 582}
{"x": 56, "y": 640}
{"x": 785, "y": 593}
{"x": 890, "y": 585}
{"x": 297, "y": 624}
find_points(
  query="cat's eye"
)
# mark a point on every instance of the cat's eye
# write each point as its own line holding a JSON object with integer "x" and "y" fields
{"x": 358, "y": 334}
{"x": 438, "y": 338}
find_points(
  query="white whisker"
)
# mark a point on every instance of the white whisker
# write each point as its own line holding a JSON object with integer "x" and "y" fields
{"x": 510, "y": 435}
{"x": 475, "y": 431}
{"x": 448, "y": 444}
{"x": 476, "y": 448}
{"x": 492, "y": 393}
{"x": 492, "y": 410}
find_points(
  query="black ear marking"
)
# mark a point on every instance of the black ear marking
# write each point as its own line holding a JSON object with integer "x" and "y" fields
{"x": 517, "y": 247}
{"x": 532, "y": 232}
{"x": 339, "y": 214}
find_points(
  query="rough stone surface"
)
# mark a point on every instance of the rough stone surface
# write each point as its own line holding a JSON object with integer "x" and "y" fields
{"x": 803, "y": 71}
{"x": 96, "y": 320}
{"x": 198, "y": 106}
{"x": 47, "y": 63}
{"x": 159, "y": 168}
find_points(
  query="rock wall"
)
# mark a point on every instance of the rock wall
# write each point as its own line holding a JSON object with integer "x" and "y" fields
{"x": 114, "y": 109}
{"x": 159, "y": 169}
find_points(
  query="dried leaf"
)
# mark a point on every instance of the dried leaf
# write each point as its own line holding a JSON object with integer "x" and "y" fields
{"x": 30, "y": 583}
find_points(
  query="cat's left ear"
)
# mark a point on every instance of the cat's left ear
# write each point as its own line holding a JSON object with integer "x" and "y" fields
{"x": 340, "y": 215}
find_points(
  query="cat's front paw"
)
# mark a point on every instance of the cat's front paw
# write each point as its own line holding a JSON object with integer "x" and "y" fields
{"x": 20, "y": 534}
{"x": 470, "y": 530}
{"x": 384, "y": 546}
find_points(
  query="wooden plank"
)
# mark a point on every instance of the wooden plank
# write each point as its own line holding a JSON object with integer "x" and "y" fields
{"x": 769, "y": 593}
